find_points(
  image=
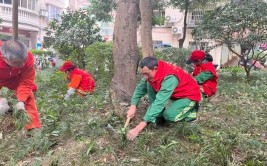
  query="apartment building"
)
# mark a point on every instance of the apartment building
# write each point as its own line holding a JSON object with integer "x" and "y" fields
{"x": 76, "y": 4}
{"x": 34, "y": 16}
{"x": 172, "y": 31}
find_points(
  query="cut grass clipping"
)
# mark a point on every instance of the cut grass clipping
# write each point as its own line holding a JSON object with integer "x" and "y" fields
{"x": 21, "y": 118}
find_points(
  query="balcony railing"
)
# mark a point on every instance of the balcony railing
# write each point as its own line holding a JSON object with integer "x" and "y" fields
{"x": 26, "y": 16}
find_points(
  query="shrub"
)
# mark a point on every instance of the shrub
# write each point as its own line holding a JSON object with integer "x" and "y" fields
{"x": 177, "y": 56}
{"x": 99, "y": 61}
{"x": 41, "y": 52}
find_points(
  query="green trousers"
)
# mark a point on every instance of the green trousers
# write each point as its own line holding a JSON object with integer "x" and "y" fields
{"x": 179, "y": 110}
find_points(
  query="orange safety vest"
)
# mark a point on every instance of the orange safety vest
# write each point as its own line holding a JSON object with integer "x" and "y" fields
{"x": 81, "y": 80}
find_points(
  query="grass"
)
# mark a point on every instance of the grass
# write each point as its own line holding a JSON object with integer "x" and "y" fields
{"x": 86, "y": 132}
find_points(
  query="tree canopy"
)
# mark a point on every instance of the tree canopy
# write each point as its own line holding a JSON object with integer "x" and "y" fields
{"x": 102, "y": 9}
{"x": 243, "y": 23}
{"x": 73, "y": 32}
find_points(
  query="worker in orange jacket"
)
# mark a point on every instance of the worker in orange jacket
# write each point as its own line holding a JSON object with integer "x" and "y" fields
{"x": 81, "y": 81}
{"x": 18, "y": 74}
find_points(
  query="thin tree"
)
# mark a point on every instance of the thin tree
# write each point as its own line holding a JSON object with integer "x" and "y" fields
{"x": 146, "y": 27}
{"x": 186, "y": 6}
{"x": 15, "y": 18}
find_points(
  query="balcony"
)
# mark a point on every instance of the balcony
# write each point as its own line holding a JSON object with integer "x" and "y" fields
{"x": 28, "y": 20}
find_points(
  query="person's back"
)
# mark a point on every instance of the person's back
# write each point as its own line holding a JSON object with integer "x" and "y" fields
{"x": 187, "y": 87}
{"x": 87, "y": 82}
{"x": 204, "y": 72}
{"x": 80, "y": 81}
{"x": 210, "y": 85}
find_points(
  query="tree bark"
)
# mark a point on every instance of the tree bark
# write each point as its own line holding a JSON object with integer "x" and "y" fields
{"x": 15, "y": 19}
{"x": 125, "y": 52}
{"x": 181, "y": 41}
{"x": 146, "y": 27}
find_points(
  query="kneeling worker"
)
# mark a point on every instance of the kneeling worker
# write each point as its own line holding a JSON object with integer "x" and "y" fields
{"x": 163, "y": 82}
{"x": 81, "y": 81}
{"x": 204, "y": 72}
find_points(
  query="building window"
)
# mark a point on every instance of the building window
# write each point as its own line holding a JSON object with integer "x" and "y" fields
{"x": 34, "y": 5}
{"x": 198, "y": 45}
{"x": 197, "y": 15}
{"x": 7, "y": 1}
{"x": 53, "y": 12}
{"x": 23, "y": 3}
{"x": 204, "y": 45}
{"x": 1, "y": 1}
{"x": 29, "y": 4}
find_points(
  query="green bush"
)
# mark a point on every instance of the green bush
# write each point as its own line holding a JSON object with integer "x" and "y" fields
{"x": 233, "y": 69}
{"x": 99, "y": 61}
{"x": 177, "y": 56}
{"x": 41, "y": 52}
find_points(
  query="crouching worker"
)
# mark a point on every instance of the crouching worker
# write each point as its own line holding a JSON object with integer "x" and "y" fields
{"x": 81, "y": 81}
{"x": 163, "y": 82}
{"x": 204, "y": 73}
{"x": 18, "y": 74}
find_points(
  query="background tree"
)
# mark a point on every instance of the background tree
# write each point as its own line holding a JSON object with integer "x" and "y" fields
{"x": 15, "y": 16}
{"x": 75, "y": 31}
{"x": 146, "y": 27}
{"x": 186, "y": 6}
{"x": 125, "y": 53}
{"x": 102, "y": 9}
{"x": 243, "y": 23}
{"x": 148, "y": 19}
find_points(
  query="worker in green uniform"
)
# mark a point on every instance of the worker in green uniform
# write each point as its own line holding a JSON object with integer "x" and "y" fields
{"x": 204, "y": 72}
{"x": 163, "y": 82}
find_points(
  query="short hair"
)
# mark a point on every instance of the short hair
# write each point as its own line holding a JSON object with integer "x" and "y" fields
{"x": 150, "y": 62}
{"x": 12, "y": 49}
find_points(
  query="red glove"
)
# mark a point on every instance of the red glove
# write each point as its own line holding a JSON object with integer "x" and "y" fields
{"x": 131, "y": 112}
{"x": 132, "y": 134}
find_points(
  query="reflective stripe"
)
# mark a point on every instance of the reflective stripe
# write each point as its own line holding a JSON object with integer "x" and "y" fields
{"x": 186, "y": 110}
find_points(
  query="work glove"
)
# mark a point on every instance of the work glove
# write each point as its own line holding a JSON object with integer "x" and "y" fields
{"x": 4, "y": 107}
{"x": 133, "y": 133}
{"x": 131, "y": 112}
{"x": 20, "y": 106}
{"x": 70, "y": 92}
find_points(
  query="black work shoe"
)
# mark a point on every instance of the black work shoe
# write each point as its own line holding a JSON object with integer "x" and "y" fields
{"x": 160, "y": 121}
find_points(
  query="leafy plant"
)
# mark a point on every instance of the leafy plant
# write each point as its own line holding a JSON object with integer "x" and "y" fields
{"x": 230, "y": 25}
{"x": 73, "y": 33}
{"x": 177, "y": 56}
{"x": 21, "y": 119}
{"x": 41, "y": 52}
{"x": 99, "y": 61}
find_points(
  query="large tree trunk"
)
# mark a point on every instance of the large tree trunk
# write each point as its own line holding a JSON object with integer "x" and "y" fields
{"x": 15, "y": 19}
{"x": 125, "y": 53}
{"x": 146, "y": 27}
{"x": 181, "y": 41}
